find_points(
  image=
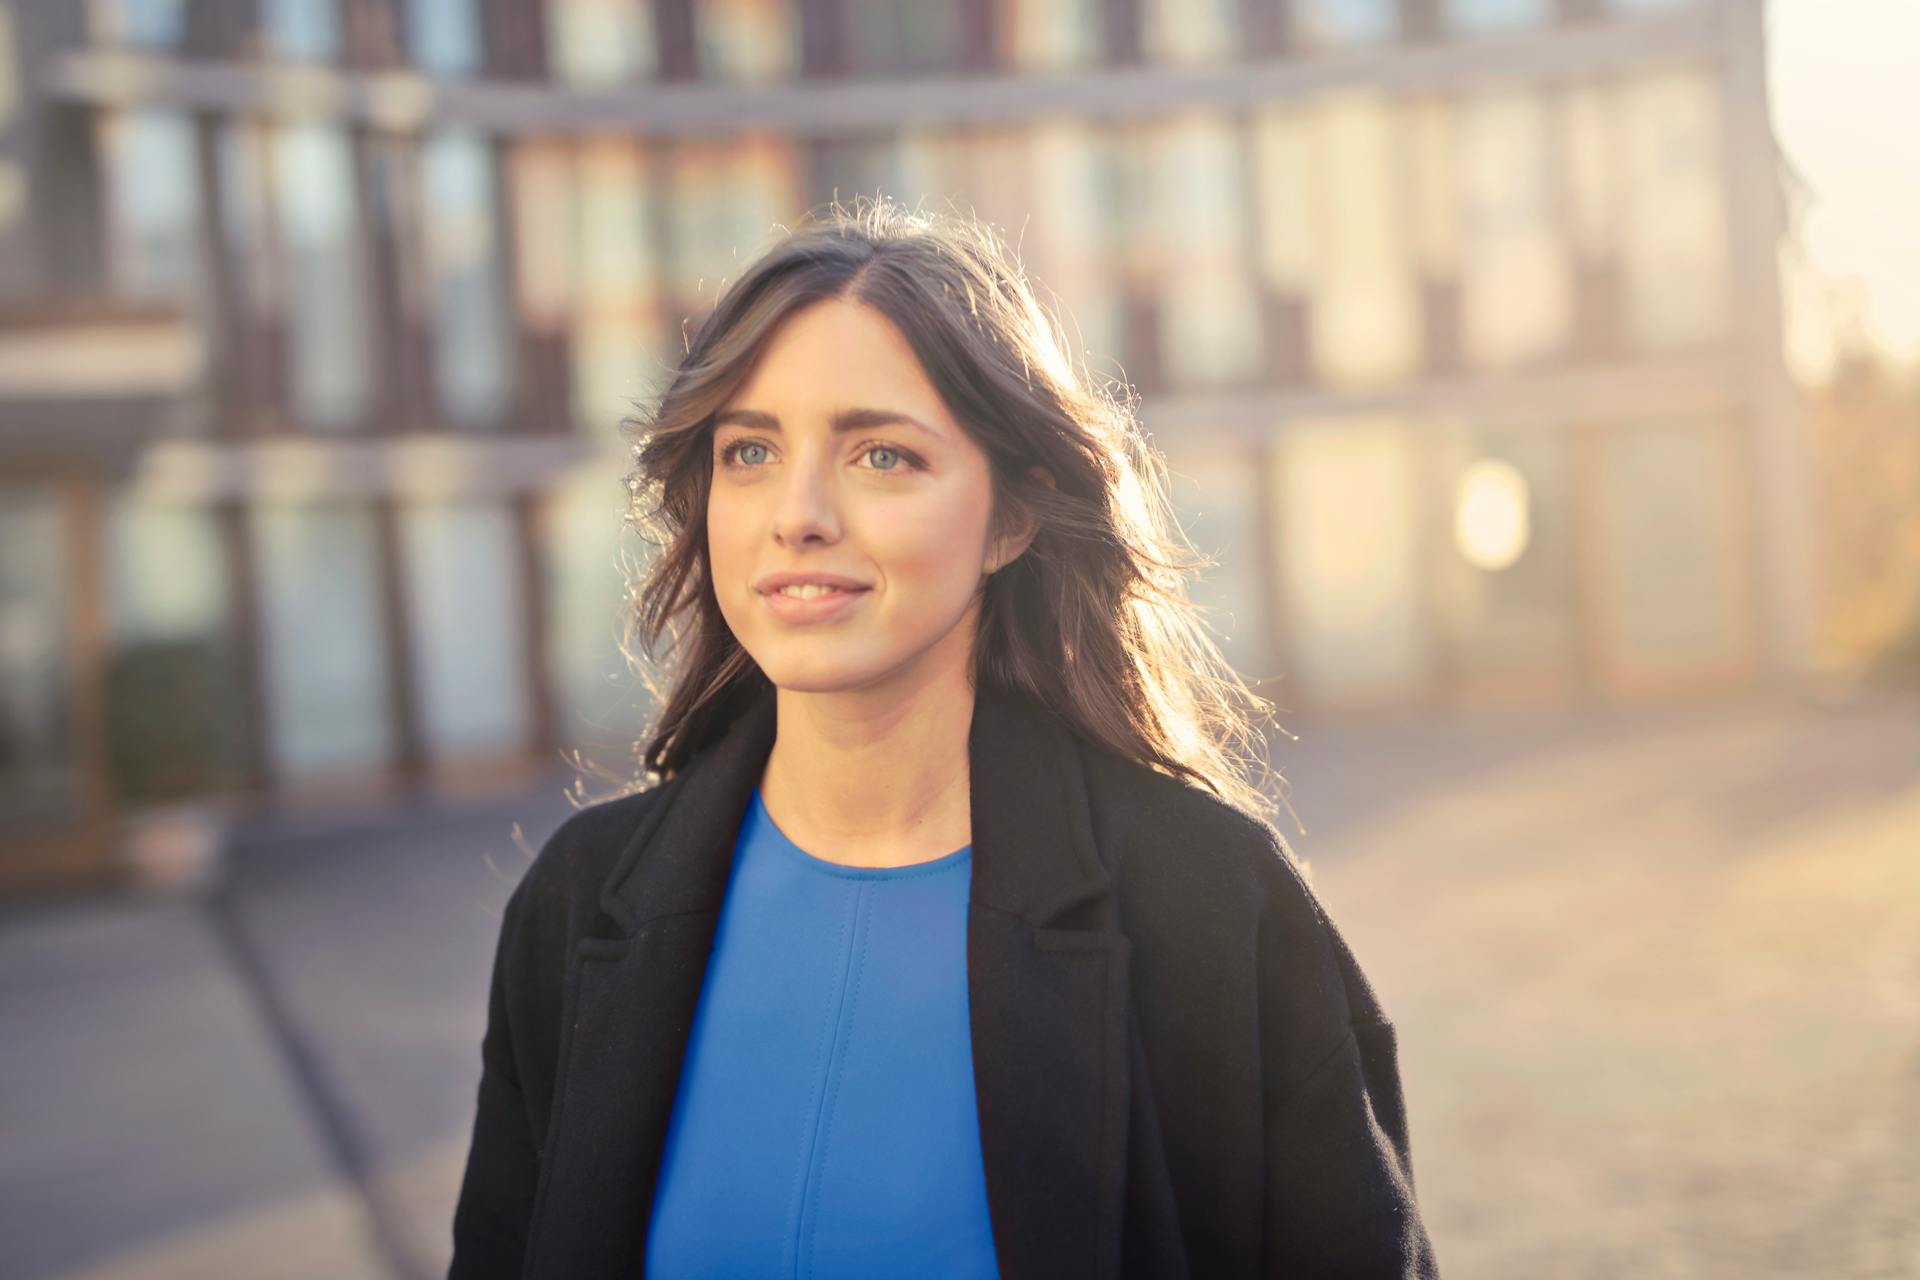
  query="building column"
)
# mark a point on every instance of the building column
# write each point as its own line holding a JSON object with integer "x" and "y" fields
{"x": 1783, "y": 562}
{"x": 410, "y": 752}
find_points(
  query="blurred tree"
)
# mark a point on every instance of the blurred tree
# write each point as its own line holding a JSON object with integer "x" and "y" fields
{"x": 1866, "y": 420}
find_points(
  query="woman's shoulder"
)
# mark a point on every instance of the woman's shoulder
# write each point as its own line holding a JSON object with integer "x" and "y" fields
{"x": 1141, "y": 814}
{"x": 559, "y": 892}
{"x": 1210, "y": 871}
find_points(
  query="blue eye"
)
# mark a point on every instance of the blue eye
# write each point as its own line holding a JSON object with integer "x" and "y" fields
{"x": 730, "y": 454}
{"x": 881, "y": 448}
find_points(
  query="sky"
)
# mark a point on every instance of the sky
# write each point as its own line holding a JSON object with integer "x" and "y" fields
{"x": 1845, "y": 88}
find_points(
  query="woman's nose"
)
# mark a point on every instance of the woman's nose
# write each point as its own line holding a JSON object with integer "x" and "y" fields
{"x": 807, "y": 506}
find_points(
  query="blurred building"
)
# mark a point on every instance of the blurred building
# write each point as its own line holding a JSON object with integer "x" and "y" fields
{"x": 1457, "y": 320}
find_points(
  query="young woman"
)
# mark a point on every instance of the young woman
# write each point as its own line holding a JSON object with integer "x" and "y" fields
{"x": 949, "y": 940}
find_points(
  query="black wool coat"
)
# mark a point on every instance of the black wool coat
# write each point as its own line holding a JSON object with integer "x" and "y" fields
{"x": 1179, "y": 1067}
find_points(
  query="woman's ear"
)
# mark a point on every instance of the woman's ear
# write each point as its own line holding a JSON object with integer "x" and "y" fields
{"x": 1014, "y": 545}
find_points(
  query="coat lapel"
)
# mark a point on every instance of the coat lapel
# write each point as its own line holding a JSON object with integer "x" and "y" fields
{"x": 1046, "y": 981}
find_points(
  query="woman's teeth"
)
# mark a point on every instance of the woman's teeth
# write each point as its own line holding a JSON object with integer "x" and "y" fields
{"x": 809, "y": 590}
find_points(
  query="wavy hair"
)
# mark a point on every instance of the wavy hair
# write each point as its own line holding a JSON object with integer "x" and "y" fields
{"x": 1092, "y": 622}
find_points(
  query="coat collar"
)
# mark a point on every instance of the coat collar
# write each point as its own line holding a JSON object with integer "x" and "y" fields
{"x": 1046, "y": 979}
{"x": 1032, "y": 831}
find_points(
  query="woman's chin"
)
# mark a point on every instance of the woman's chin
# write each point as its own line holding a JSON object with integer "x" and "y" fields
{"x": 833, "y": 676}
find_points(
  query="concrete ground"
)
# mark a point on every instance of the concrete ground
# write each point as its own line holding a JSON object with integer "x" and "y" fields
{"x": 1657, "y": 976}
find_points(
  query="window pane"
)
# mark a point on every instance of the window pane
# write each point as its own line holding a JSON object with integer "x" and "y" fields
{"x": 443, "y": 36}
{"x": 303, "y": 30}
{"x": 1676, "y": 274}
{"x": 1070, "y": 243}
{"x": 545, "y": 223}
{"x": 1210, "y": 332}
{"x": 1217, "y": 496}
{"x": 1049, "y": 35}
{"x": 166, "y": 571}
{"x": 1516, "y": 281}
{"x": 153, "y": 203}
{"x": 600, "y": 42}
{"x": 1190, "y": 31}
{"x": 1337, "y": 24}
{"x": 1346, "y": 557}
{"x": 747, "y": 39}
{"x": 602, "y": 701}
{"x": 327, "y": 319}
{"x": 1475, "y": 16}
{"x": 1289, "y": 178}
{"x": 1667, "y": 520}
{"x": 144, "y": 24}
{"x": 473, "y": 335}
{"x": 619, "y": 334}
{"x": 931, "y": 37}
{"x": 1505, "y": 587}
{"x": 322, "y": 629}
{"x": 463, "y": 589}
{"x": 851, "y": 165}
{"x": 725, "y": 201}
{"x": 175, "y": 713}
{"x": 1366, "y": 306}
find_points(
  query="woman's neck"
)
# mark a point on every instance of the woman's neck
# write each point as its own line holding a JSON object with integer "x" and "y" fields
{"x": 871, "y": 780}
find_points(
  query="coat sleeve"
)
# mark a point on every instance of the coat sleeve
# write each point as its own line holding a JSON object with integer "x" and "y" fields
{"x": 1339, "y": 1191}
{"x": 490, "y": 1219}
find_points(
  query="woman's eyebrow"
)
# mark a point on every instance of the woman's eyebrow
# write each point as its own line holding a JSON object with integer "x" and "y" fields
{"x": 842, "y": 420}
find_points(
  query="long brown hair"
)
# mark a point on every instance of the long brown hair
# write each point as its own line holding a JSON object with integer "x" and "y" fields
{"x": 1092, "y": 622}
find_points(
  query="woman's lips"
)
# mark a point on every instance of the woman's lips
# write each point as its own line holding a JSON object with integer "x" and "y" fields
{"x": 821, "y": 608}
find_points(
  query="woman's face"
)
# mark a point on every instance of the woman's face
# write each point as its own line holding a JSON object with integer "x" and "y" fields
{"x": 838, "y": 458}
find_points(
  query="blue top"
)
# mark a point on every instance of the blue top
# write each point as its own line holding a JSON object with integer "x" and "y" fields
{"x": 825, "y": 1122}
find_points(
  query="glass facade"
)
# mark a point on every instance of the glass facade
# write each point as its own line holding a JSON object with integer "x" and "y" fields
{"x": 166, "y": 572}
{"x": 444, "y": 36}
{"x": 753, "y": 40}
{"x": 724, "y": 201}
{"x": 1505, "y": 575}
{"x": 323, "y": 238}
{"x": 1340, "y": 24}
{"x": 1369, "y": 266}
{"x": 1366, "y": 303}
{"x": 1348, "y": 497}
{"x": 1673, "y": 214}
{"x": 323, "y": 625}
{"x": 1048, "y": 35}
{"x": 619, "y": 342}
{"x": 1218, "y": 498}
{"x": 141, "y": 24}
{"x": 472, "y": 323}
{"x": 1473, "y": 17}
{"x": 301, "y": 30}
{"x": 1210, "y": 314}
{"x": 1516, "y": 279}
{"x": 468, "y": 619}
{"x": 588, "y": 558}
{"x": 1190, "y": 31}
{"x": 1668, "y": 546}
{"x": 1071, "y": 242}
{"x": 153, "y": 205}
{"x": 594, "y": 43}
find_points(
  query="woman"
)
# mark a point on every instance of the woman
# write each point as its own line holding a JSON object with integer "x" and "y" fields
{"x": 950, "y": 941}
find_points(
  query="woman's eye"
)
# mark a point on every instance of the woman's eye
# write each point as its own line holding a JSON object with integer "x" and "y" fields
{"x": 733, "y": 452}
{"x": 891, "y": 459}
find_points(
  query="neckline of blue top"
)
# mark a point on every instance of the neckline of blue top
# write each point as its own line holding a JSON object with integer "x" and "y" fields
{"x": 827, "y": 866}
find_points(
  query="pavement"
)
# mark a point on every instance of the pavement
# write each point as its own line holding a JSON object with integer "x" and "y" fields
{"x": 1656, "y": 973}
